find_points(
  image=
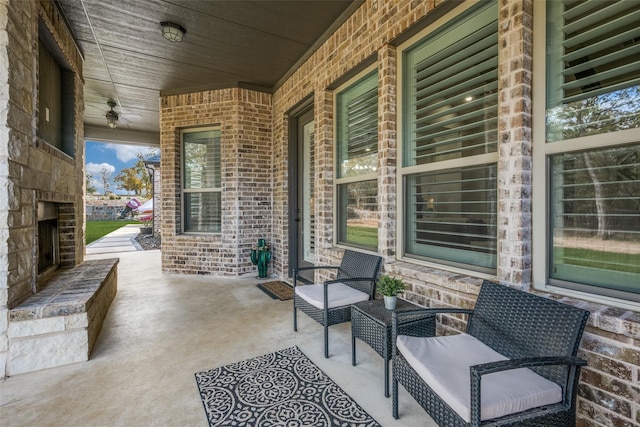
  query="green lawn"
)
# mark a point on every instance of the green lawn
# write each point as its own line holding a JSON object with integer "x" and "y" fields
{"x": 629, "y": 263}
{"x": 362, "y": 236}
{"x": 97, "y": 229}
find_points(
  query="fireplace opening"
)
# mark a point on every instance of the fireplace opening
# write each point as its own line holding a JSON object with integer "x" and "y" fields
{"x": 48, "y": 240}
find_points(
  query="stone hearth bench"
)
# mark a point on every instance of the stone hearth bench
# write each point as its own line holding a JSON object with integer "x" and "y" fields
{"x": 60, "y": 324}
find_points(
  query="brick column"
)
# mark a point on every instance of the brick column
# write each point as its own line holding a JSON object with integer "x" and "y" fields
{"x": 515, "y": 142}
{"x": 387, "y": 150}
{"x": 324, "y": 177}
{"x": 244, "y": 117}
{"x": 279, "y": 168}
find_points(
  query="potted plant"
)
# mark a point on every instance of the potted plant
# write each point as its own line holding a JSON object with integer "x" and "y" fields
{"x": 147, "y": 224}
{"x": 390, "y": 287}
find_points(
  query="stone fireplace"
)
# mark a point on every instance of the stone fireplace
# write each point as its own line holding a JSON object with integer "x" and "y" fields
{"x": 54, "y": 239}
{"x": 47, "y": 236}
{"x": 42, "y": 182}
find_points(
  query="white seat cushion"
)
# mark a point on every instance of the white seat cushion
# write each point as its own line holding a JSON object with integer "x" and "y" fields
{"x": 443, "y": 363}
{"x": 338, "y": 295}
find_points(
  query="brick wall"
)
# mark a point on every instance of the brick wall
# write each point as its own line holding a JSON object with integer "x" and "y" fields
{"x": 30, "y": 169}
{"x": 244, "y": 117}
{"x": 609, "y": 386}
{"x": 367, "y": 33}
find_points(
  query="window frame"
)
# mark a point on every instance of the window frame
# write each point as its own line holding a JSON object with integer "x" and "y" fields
{"x": 404, "y": 171}
{"x": 541, "y": 178}
{"x": 184, "y": 191}
{"x": 371, "y": 176}
{"x": 63, "y": 77}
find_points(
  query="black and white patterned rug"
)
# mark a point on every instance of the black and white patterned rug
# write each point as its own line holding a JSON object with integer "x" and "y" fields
{"x": 278, "y": 389}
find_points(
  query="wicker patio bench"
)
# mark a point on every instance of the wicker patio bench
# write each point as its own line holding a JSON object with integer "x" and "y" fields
{"x": 329, "y": 303}
{"x": 515, "y": 365}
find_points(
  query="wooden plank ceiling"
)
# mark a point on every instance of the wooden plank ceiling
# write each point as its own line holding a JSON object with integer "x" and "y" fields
{"x": 227, "y": 44}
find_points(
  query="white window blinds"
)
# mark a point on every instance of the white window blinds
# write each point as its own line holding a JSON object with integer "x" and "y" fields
{"x": 593, "y": 71}
{"x": 357, "y": 212}
{"x": 453, "y": 78}
{"x": 357, "y": 131}
{"x": 450, "y": 121}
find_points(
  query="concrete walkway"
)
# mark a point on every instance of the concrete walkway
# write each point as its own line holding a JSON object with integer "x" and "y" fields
{"x": 120, "y": 240}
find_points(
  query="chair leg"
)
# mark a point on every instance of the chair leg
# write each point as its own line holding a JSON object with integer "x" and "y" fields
{"x": 295, "y": 310}
{"x": 295, "y": 318}
{"x": 326, "y": 341}
{"x": 353, "y": 347}
{"x": 394, "y": 386}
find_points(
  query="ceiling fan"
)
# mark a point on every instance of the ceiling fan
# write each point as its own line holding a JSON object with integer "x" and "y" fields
{"x": 114, "y": 119}
{"x": 112, "y": 116}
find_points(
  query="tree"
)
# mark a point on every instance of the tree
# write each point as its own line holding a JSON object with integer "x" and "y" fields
{"x": 145, "y": 179}
{"x": 601, "y": 183}
{"x": 136, "y": 178}
{"x": 91, "y": 189}
{"x": 105, "y": 175}
{"x": 129, "y": 180}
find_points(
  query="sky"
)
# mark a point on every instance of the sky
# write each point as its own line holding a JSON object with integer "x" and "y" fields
{"x": 114, "y": 158}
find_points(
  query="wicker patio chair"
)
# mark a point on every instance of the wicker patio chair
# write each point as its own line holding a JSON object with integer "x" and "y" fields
{"x": 329, "y": 303}
{"x": 527, "y": 331}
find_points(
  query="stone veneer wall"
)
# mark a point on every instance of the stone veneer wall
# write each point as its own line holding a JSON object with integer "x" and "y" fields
{"x": 30, "y": 169}
{"x": 244, "y": 118}
{"x": 61, "y": 324}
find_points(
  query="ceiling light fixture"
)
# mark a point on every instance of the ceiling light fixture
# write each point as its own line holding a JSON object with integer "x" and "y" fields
{"x": 172, "y": 32}
{"x": 112, "y": 116}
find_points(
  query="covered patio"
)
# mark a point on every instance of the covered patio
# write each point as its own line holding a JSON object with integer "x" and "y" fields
{"x": 447, "y": 137}
{"x": 163, "y": 328}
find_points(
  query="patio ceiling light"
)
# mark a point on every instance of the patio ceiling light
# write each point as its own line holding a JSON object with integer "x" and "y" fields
{"x": 172, "y": 32}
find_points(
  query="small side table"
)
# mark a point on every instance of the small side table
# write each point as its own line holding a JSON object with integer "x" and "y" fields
{"x": 371, "y": 322}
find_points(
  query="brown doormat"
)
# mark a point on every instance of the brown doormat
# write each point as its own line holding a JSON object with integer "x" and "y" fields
{"x": 278, "y": 289}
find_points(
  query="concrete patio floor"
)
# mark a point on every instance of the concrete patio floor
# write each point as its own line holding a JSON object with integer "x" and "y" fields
{"x": 160, "y": 330}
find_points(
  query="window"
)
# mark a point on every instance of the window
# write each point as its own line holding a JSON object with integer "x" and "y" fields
{"x": 201, "y": 180}
{"x": 592, "y": 68}
{"x": 592, "y": 148}
{"x": 357, "y": 162}
{"x": 449, "y": 142}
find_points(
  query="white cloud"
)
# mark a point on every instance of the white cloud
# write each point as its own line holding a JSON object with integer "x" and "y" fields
{"x": 96, "y": 168}
{"x": 97, "y": 184}
{"x": 126, "y": 153}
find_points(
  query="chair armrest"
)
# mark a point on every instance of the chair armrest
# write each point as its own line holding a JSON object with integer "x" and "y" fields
{"x": 398, "y": 317}
{"x": 349, "y": 279}
{"x": 314, "y": 267}
{"x": 526, "y": 362}
{"x": 477, "y": 371}
{"x": 430, "y": 311}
